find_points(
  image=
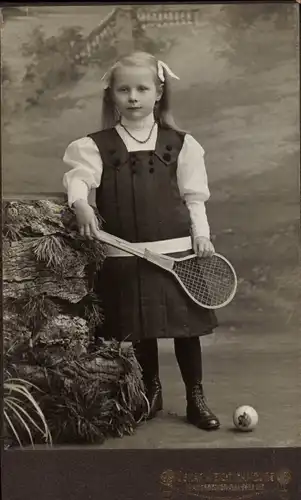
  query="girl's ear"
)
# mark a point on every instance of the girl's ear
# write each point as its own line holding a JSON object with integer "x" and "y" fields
{"x": 159, "y": 92}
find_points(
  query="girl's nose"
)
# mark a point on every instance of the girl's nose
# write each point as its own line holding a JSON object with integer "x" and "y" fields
{"x": 133, "y": 97}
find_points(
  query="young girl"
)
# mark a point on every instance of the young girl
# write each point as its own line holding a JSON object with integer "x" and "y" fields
{"x": 151, "y": 186}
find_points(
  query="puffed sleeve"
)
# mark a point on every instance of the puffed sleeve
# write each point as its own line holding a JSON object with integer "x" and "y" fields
{"x": 82, "y": 155}
{"x": 193, "y": 185}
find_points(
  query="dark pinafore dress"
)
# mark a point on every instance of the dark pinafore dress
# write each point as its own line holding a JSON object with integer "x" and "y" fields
{"x": 139, "y": 200}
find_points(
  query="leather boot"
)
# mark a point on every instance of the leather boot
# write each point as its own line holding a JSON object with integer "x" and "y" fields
{"x": 189, "y": 356}
{"x": 154, "y": 396}
{"x": 146, "y": 352}
{"x": 197, "y": 410}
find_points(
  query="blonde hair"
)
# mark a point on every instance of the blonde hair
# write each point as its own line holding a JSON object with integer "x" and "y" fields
{"x": 162, "y": 110}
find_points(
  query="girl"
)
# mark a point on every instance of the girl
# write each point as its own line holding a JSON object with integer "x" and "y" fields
{"x": 151, "y": 185}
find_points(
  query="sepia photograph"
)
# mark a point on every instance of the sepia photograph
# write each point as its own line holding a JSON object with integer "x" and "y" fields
{"x": 151, "y": 217}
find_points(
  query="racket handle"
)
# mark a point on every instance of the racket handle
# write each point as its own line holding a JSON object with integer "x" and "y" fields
{"x": 119, "y": 243}
{"x": 160, "y": 260}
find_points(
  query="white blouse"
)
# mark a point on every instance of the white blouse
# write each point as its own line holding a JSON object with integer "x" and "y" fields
{"x": 82, "y": 155}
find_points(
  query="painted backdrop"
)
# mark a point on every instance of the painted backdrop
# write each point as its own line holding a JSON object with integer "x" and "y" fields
{"x": 237, "y": 94}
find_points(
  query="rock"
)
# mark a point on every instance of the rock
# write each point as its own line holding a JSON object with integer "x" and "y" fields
{"x": 71, "y": 289}
{"x": 64, "y": 326}
{"x": 39, "y": 217}
{"x": 20, "y": 263}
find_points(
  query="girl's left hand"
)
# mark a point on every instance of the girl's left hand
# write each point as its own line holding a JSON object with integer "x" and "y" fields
{"x": 203, "y": 247}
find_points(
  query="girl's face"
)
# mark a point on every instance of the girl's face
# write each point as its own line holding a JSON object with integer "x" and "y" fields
{"x": 134, "y": 92}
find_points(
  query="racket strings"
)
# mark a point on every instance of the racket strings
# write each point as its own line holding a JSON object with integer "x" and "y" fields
{"x": 209, "y": 281}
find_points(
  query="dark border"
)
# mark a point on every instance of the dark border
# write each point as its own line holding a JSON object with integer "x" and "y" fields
{"x": 89, "y": 474}
{"x": 173, "y": 2}
{"x": 95, "y": 474}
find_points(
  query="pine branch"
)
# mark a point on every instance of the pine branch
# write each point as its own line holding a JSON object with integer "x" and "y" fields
{"x": 34, "y": 310}
{"x": 49, "y": 250}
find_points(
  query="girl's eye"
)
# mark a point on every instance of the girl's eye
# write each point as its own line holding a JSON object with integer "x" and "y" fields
{"x": 141, "y": 88}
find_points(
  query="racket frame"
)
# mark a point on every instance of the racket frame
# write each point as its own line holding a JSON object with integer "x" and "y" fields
{"x": 166, "y": 262}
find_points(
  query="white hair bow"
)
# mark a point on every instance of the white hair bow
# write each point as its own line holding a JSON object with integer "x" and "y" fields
{"x": 161, "y": 67}
{"x": 105, "y": 79}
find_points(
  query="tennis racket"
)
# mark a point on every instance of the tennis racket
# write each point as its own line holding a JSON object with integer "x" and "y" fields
{"x": 210, "y": 282}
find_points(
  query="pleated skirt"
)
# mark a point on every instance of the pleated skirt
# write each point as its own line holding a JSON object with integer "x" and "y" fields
{"x": 141, "y": 301}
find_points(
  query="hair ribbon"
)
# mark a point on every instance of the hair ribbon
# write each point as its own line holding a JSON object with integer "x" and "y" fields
{"x": 161, "y": 66}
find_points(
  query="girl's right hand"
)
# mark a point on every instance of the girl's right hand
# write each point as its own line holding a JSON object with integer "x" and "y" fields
{"x": 86, "y": 219}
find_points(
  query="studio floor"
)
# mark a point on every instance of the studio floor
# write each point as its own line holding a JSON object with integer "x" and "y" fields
{"x": 261, "y": 370}
{"x": 257, "y": 369}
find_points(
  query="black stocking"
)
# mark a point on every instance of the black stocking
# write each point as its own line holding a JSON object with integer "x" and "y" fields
{"x": 146, "y": 352}
{"x": 189, "y": 357}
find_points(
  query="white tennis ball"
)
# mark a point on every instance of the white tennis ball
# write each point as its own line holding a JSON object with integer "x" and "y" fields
{"x": 245, "y": 418}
